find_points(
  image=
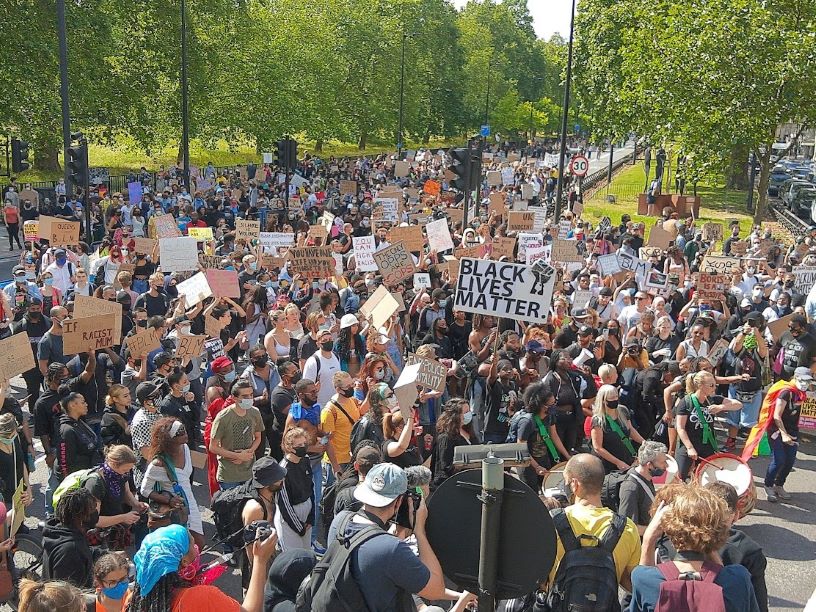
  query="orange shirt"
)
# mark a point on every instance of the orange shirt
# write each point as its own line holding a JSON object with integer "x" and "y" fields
{"x": 204, "y": 598}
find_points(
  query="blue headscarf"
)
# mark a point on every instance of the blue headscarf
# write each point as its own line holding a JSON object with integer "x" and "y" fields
{"x": 160, "y": 554}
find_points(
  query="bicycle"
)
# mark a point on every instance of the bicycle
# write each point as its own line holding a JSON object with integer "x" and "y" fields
{"x": 27, "y": 561}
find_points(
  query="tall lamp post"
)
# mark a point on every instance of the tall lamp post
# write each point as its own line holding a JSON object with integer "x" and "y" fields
{"x": 564, "y": 117}
{"x": 402, "y": 97}
{"x": 487, "y": 96}
{"x": 185, "y": 120}
{"x": 66, "y": 113}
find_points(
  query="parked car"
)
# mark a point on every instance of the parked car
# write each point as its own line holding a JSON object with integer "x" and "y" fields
{"x": 789, "y": 189}
{"x": 802, "y": 202}
{"x": 778, "y": 176}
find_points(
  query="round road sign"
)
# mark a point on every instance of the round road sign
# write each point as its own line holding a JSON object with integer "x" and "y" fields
{"x": 579, "y": 165}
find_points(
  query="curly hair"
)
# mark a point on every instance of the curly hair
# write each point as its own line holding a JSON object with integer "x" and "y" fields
{"x": 450, "y": 420}
{"x": 109, "y": 563}
{"x": 74, "y": 507}
{"x": 367, "y": 369}
{"x": 160, "y": 598}
{"x": 697, "y": 519}
{"x": 161, "y": 442}
{"x": 347, "y": 341}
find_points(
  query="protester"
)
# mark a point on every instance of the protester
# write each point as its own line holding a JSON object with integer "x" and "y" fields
{"x": 66, "y": 553}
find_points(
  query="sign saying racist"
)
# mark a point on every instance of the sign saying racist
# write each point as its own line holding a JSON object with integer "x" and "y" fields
{"x": 505, "y": 289}
{"x": 88, "y": 334}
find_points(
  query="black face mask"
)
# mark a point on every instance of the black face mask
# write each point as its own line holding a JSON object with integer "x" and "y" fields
{"x": 327, "y": 346}
{"x": 91, "y": 521}
{"x": 300, "y": 451}
{"x": 259, "y": 362}
{"x": 612, "y": 403}
{"x": 141, "y": 323}
{"x": 346, "y": 392}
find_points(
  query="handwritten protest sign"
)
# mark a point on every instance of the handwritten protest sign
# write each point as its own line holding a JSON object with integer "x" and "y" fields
{"x": 190, "y": 346}
{"x": 503, "y": 247}
{"x": 712, "y": 286}
{"x": 715, "y": 264}
{"x": 15, "y": 356}
{"x": 385, "y": 209}
{"x": 45, "y": 225}
{"x": 432, "y": 374}
{"x": 410, "y": 235}
{"x": 195, "y": 289}
{"x": 633, "y": 264}
{"x": 64, "y": 233}
{"x": 422, "y": 280}
{"x": 497, "y": 203}
{"x": 178, "y": 254}
{"x": 740, "y": 247}
{"x": 144, "y": 342}
{"x": 804, "y": 278}
{"x": 716, "y": 352}
{"x": 518, "y": 221}
{"x": 246, "y": 229}
{"x": 650, "y": 251}
{"x": 88, "y": 334}
{"x": 18, "y": 508}
{"x": 166, "y": 226}
{"x": 780, "y": 326}
{"x": 272, "y": 241}
{"x": 364, "y": 247}
{"x": 712, "y": 232}
{"x": 405, "y": 389}
{"x": 86, "y": 306}
{"x": 565, "y": 251}
{"x": 402, "y": 168}
{"x": 348, "y": 187}
{"x": 31, "y": 230}
{"x": 505, "y": 289}
{"x": 395, "y": 263}
{"x": 224, "y": 283}
{"x": 311, "y": 262}
{"x": 269, "y": 261}
{"x": 608, "y": 264}
{"x": 439, "y": 238}
{"x": 200, "y": 233}
{"x": 144, "y": 245}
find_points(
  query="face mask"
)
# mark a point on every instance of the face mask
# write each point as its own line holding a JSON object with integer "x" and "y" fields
{"x": 117, "y": 592}
{"x": 326, "y": 346}
{"x": 300, "y": 451}
{"x": 379, "y": 374}
{"x": 253, "y": 266}
{"x": 467, "y": 418}
{"x": 141, "y": 323}
{"x": 245, "y": 403}
{"x": 188, "y": 572}
{"x": 655, "y": 472}
{"x": 91, "y": 521}
{"x": 259, "y": 362}
{"x": 612, "y": 403}
{"x": 20, "y": 280}
{"x": 60, "y": 261}
{"x": 391, "y": 402}
{"x": 443, "y": 303}
{"x": 750, "y": 271}
{"x": 8, "y": 440}
{"x": 186, "y": 388}
{"x": 184, "y": 331}
{"x": 346, "y": 392}
{"x": 296, "y": 377}
{"x": 48, "y": 282}
{"x": 229, "y": 376}
{"x": 802, "y": 385}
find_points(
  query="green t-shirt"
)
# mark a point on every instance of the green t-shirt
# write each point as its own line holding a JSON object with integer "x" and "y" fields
{"x": 235, "y": 432}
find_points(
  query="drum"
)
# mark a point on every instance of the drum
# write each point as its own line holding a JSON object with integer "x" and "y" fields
{"x": 668, "y": 477}
{"x": 725, "y": 467}
{"x": 554, "y": 477}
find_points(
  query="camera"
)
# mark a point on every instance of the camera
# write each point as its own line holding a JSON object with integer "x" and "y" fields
{"x": 405, "y": 514}
{"x": 257, "y": 530}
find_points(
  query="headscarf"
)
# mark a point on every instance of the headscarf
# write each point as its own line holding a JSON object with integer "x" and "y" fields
{"x": 285, "y": 575}
{"x": 159, "y": 555}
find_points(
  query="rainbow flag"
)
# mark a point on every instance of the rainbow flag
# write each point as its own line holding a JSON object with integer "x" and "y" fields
{"x": 765, "y": 417}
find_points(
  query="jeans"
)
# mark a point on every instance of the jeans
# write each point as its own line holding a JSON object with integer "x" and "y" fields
{"x": 229, "y": 485}
{"x": 748, "y": 415}
{"x": 782, "y": 459}
{"x": 328, "y": 473}
{"x": 317, "y": 483}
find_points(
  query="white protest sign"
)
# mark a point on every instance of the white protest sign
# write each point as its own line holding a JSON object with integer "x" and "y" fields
{"x": 503, "y": 289}
{"x": 196, "y": 289}
{"x": 532, "y": 255}
{"x": 405, "y": 390}
{"x": 804, "y": 279}
{"x": 439, "y": 238}
{"x": 422, "y": 280}
{"x": 364, "y": 248}
{"x": 386, "y": 209}
{"x": 178, "y": 254}
{"x": 528, "y": 241}
{"x": 507, "y": 176}
{"x": 297, "y": 181}
{"x": 656, "y": 280}
{"x": 271, "y": 241}
{"x": 608, "y": 264}
{"x": 638, "y": 266}
{"x": 540, "y": 218}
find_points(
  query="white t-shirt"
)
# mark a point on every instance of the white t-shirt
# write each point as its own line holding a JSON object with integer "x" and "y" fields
{"x": 328, "y": 368}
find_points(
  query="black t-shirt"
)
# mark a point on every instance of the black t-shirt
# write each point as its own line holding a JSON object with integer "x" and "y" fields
{"x": 529, "y": 431}
{"x": 108, "y": 504}
{"x": 694, "y": 428}
{"x": 47, "y": 413}
{"x": 612, "y": 442}
{"x": 799, "y": 352}
{"x": 281, "y": 400}
{"x": 9, "y": 468}
{"x": 154, "y": 305}
{"x": 790, "y": 416}
{"x": 459, "y": 337}
{"x": 307, "y": 347}
{"x": 497, "y": 407}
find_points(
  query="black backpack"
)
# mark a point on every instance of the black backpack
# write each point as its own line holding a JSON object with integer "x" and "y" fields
{"x": 586, "y": 579}
{"x": 227, "y": 506}
{"x": 364, "y": 429}
{"x": 332, "y": 587}
{"x": 610, "y": 492}
{"x": 628, "y": 394}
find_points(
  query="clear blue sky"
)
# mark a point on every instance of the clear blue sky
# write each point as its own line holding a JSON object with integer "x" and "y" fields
{"x": 549, "y": 16}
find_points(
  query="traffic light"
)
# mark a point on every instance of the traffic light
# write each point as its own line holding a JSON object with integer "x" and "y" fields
{"x": 461, "y": 168}
{"x": 19, "y": 155}
{"x": 291, "y": 153}
{"x": 280, "y": 154}
{"x": 78, "y": 163}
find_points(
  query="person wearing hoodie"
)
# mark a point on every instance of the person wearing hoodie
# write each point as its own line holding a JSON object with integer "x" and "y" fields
{"x": 79, "y": 447}
{"x": 66, "y": 553}
{"x": 285, "y": 575}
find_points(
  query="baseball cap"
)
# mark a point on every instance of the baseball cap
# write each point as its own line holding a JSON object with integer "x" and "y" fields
{"x": 803, "y": 374}
{"x": 266, "y": 471}
{"x": 534, "y": 346}
{"x": 348, "y": 320}
{"x": 745, "y": 303}
{"x": 18, "y": 270}
{"x": 59, "y": 253}
{"x": 605, "y": 291}
{"x": 162, "y": 358}
{"x": 755, "y": 316}
{"x": 147, "y": 390}
{"x": 585, "y": 330}
{"x": 383, "y": 484}
{"x": 367, "y": 457}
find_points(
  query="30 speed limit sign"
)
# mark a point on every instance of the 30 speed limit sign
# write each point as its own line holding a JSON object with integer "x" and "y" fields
{"x": 579, "y": 165}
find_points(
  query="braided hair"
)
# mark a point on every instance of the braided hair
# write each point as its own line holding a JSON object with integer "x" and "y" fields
{"x": 160, "y": 598}
{"x": 74, "y": 507}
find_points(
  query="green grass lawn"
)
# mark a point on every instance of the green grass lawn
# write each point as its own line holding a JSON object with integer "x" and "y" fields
{"x": 125, "y": 156}
{"x": 717, "y": 204}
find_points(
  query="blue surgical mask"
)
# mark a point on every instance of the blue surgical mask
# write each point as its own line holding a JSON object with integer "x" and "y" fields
{"x": 48, "y": 282}
{"x": 245, "y": 403}
{"x": 229, "y": 376}
{"x": 185, "y": 388}
{"x": 467, "y": 418}
{"x": 117, "y": 592}
{"x": 253, "y": 266}
{"x": 443, "y": 303}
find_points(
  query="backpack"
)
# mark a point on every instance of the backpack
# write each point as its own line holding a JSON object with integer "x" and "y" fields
{"x": 72, "y": 482}
{"x": 227, "y": 506}
{"x": 628, "y": 393}
{"x": 332, "y": 586}
{"x": 586, "y": 579}
{"x": 610, "y": 492}
{"x": 686, "y": 593}
{"x": 363, "y": 430}
{"x": 329, "y": 497}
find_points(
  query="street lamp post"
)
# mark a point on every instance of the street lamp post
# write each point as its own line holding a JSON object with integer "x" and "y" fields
{"x": 66, "y": 113}
{"x": 564, "y": 117}
{"x": 185, "y": 119}
{"x": 487, "y": 97}
{"x": 402, "y": 98}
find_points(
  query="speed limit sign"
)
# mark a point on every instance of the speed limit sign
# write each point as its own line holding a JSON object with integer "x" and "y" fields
{"x": 579, "y": 165}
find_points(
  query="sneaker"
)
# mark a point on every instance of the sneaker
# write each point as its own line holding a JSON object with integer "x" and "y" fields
{"x": 730, "y": 445}
{"x": 318, "y": 549}
{"x": 781, "y": 493}
{"x": 771, "y": 494}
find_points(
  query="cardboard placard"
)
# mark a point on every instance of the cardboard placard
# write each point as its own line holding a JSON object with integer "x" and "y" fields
{"x": 348, "y": 187}
{"x": 451, "y": 266}
{"x": 395, "y": 263}
{"x": 195, "y": 289}
{"x": 410, "y": 236}
{"x": 45, "y": 225}
{"x": 212, "y": 328}
{"x": 439, "y": 238}
{"x": 650, "y": 251}
{"x": 504, "y": 289}
{"x": 209, "y": 261}
{"x": 64, "y": 233}
{"x": 178, "y": 254}
{"x": 190, "y": 346}
{"x": 494, "y": 178}
{"x": 521, "y": 220}
{"x": 246, "y": 229}
{"x": 716, "y": 352}
{"x": 311, "y": 262}
{"x": 565, "y": 251}
{"x": 405, "y": 389}
{"x": 88, "y": 334}
{"x": 86, "y": 306}
{"x": 716, "y": 264}
{"x": 780, "y": 326}
{"x": 497, "y": 203}
{"x": 608, "y": 264}
{"x": 16, "y": 356}
{"x": 712, "y": 232}
{"x": 402, "y": 168}
{"x": 422, "y": 280}
{"x": 660, "y": 238}
{"x": 269, "y": 261}
{"x": 478, "y": 251}
{"x": 166, "y": 226}
{"x": 740, "y": 247}
{"x": 223, "y": 283}
{"x": 379, "y": 307}
{"x": 503, "y": 246}
{"x": 18, "y": 506}
{"x": 143, "y": 343}
{"x": 432, "y": 374}
{"x": 712, "y": 286}
{"x": 364, "y": 248}
{"x": 144, "y": 245}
